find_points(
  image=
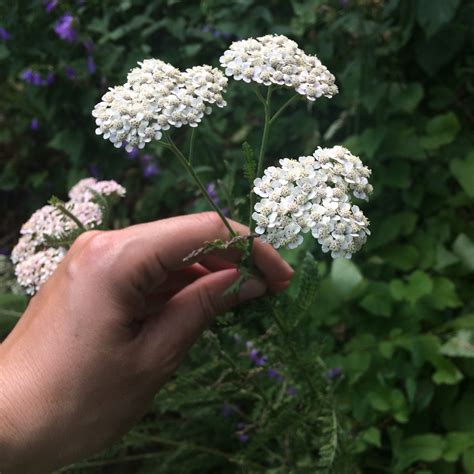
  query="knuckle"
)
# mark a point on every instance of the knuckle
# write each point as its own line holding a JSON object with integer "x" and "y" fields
{"x": 211, "y": 219}
{"x": 208, "y": 304}
{"x": 92, "y": 251}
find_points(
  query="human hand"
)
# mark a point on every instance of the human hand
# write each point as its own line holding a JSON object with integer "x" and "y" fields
{"x": 107, "y": 330}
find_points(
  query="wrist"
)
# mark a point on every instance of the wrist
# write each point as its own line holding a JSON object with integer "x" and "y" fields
{"x": 22, "y": 441}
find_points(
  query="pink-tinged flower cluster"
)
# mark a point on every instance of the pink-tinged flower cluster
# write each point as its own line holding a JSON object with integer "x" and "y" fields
{"x": 34, "y": 261}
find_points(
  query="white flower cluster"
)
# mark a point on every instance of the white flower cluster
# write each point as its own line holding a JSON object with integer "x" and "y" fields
{"x": 155, "y": 97}
{"x": 313, "y": 194}
{"x": 275, "y": 59}
{"x": 34, "y": 261}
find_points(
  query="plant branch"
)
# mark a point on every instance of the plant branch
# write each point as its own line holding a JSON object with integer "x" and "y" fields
{"x": 292, "y": 99}
{"x": 185, "y": 162}
{"x": 191, "y": 145}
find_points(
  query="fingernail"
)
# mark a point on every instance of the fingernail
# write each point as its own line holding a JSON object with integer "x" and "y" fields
{"x": 252, "y": 288}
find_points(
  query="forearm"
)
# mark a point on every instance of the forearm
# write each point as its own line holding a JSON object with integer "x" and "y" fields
{"x": 25, "y": 435}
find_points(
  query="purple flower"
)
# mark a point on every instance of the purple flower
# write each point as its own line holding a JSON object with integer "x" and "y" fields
{"x": 150, "y": 170}
{"x": 89, "y": 45}
{"x": 334, "y": 373}
{"x": 70, "y": 72}
{"x": 94, "y": 171}
{"x": 90, "y": 64}
{"x": 31, "y": 77}
{"x": 241, "y": 434}
{"x": 34, "y": 124}
{"x": 256, "y": 358}
{"x": 274, "y": 374}
{"x": 226, "y": 410}
{"x": 291, "y": 391}
{"x": 211, "y": 190}
{"x": 4, "y": 34}
{"x": 131, "y": 155}
{"x": 50, "y": 79}
{"x": 50, "y": 5}
{"x": 64, "y": 28}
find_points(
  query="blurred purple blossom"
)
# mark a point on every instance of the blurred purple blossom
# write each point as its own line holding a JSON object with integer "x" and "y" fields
{"x": 31, "y": 77}
{"x": 150, "y": 170}
{"x": 334, "y": 373}
{"x": 90, "y": 64}
{"x": 89, "y": 45}
{"x": 211, "y": 190}
{"x": 50, "y": 79}
{"x": 34, "y": 77}
{"x": 226, "y": 410}
{"x": 4, "y": 34}
{"x": 70, "y": 72}
{"x": 241, "y": 434}
{"x": 149, "y": 167}
{"x": 34, "y": 124}
{"x": 50, "y": 5}
{"x": 274, "y": 374}
{"x": 291, "y": 391}
{"x": 131, "y": 155}
{"x": 64, "y": 28}
{"x": 94, "y": 171}
{"x": 256, "y": 358}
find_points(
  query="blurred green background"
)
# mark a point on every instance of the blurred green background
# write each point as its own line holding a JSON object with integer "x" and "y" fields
{"x": 399, "y": 319}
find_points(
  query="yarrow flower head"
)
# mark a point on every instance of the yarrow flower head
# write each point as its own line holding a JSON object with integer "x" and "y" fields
{"x": 313, "y": 194}
{"x": 275, "y": 59}
{"x": 34, "y": 261}
{"x": 156, "y": 97}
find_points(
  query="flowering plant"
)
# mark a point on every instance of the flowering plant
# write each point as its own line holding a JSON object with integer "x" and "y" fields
{"x": 312, "y": 194}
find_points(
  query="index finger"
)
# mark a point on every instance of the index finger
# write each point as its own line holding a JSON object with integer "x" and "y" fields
{"x": 162, "y": 245}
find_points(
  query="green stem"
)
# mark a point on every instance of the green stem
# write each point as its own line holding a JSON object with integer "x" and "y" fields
{"x": 292, "y": 99}
{"x": 198, "y": 182}
{"x": 71, "y": 216}
{"x": 191, "y": 145}
{"x": 263, "y": 148}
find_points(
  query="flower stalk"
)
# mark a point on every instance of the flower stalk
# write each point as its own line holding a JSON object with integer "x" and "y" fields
{"x": 187, "y": 165}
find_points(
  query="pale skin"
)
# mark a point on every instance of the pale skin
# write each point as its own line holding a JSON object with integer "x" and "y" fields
{"x": 108, "y": 329}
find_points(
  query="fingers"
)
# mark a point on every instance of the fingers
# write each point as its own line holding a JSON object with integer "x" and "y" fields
{"x": 189, "y": 312}
{"x": 157, "y": 247}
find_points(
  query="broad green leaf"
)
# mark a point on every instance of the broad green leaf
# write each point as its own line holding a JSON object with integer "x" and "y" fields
{"x": 372, "y": 436}
{"x": 444, "y": 294}
{"x": 441, "y": 130}
{"x": 457, "y": 443}
{"x": 463, "y": 170}
{"x": 460, "y": 345}
{"x": 432, "y": 15}
{"x": 403, "y": 257}
{"x": 444, "y": 258}
{"x": 446, "y": 372}
{"x": 419, "y": 284}
{"x": 377, "y": 301}
{"x": 406, "y": 96}
{"x": 464, "y": 248}
{"x": 345, "y": 276}
{"x": 398, "y": 175}
{"x": 425, "y": 447}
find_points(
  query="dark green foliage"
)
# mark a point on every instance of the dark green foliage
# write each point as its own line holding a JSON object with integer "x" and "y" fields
{"x": 398, "y": 321}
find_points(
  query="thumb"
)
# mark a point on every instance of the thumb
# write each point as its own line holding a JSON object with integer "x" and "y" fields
{"x": 185, "y": 316}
